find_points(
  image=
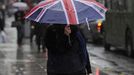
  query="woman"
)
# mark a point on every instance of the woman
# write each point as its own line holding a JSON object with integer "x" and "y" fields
{"x": 65, "y": 53}
{"x": 20, "y": 26}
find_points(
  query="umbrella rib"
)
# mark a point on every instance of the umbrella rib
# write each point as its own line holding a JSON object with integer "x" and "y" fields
{"x": 33, "y": 11}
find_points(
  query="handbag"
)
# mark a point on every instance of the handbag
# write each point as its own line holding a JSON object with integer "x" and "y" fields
{"x": 15, "y": 23}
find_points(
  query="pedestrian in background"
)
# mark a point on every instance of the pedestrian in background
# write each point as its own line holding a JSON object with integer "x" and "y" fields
{"x": 1, "y": 20}
{"x": 67, "y": 54}
{"x": 40, "y": 30}
{"x": 20, "y": 21}
{"x": 2, "y": 32}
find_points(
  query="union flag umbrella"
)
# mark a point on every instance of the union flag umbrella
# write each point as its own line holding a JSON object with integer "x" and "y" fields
{"x": 66, "y": 11}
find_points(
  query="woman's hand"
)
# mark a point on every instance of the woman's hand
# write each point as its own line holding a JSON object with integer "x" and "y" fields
{"x": 67, "y": 30}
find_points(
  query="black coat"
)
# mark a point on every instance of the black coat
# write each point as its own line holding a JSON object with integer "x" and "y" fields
{"x": 63, "y": 57}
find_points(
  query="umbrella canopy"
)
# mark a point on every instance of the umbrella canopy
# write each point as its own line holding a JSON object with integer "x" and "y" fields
{"x": 67, "y": 11}
{"x": 20, "y": 5}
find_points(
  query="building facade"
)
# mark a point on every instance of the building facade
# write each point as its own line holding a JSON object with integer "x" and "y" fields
{"x": 118, "y": 5}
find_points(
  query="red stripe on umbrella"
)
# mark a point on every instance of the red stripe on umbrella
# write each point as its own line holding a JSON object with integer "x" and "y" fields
{"x": 68, "y": 4}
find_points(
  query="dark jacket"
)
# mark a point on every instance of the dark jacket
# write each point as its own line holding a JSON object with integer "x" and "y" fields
{"x": 63, "y": 57}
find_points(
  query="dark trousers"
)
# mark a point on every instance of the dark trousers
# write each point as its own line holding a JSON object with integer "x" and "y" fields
{"x": 20, "y": 35}
{"x": 39, "y": 41}
{"x": 32, "y": 33}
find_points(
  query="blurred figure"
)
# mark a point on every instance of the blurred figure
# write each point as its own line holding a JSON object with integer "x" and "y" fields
{"x": 45, "y": 26}
{"x": 40, "y": 30}
{"x": 1, "y": 20}
{"x": 19, "y": 18}
{"x": 3, "y": 37}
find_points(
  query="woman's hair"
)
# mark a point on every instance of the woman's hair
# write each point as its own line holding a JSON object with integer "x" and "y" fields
{"x": 60, "y": 28}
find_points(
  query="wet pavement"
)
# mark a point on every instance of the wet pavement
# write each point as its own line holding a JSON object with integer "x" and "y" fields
{"x": 22, "y": 60}
{"x": 111, "y": 62}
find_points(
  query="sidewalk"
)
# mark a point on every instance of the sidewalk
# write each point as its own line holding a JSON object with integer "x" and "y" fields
{"x": 11, "y": 35}
{"x": 7, "y": 47}
{"x": 10, "y": 31}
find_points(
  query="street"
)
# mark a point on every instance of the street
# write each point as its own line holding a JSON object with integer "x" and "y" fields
{"x": 25, "y": 60}
{"x": 112, "y": 63}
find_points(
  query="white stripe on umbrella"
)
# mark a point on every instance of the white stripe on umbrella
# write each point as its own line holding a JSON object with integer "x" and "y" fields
{"x": 34, "y": 10}
{"x": 44, "y": 10}
{"x": 75, "y": 12}
{"x": 65, "y": 12}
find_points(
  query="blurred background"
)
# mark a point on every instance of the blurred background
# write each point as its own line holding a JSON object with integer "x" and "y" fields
{"x": 110, "y": 41}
